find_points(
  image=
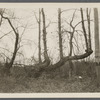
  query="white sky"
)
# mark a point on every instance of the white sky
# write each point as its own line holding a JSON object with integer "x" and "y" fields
{"x": 25, "y": 16}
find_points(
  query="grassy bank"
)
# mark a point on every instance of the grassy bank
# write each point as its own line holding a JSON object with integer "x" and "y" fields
{"x": 52, "y": 82}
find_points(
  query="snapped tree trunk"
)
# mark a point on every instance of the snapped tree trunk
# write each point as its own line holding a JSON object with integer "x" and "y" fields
{"x": 97, "y": 49}
{"x": 39, "y": 23}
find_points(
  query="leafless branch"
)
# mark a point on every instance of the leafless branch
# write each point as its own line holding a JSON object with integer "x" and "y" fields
{"x": 5, "y": 34}
{"x": 48, "y": 24}
{"x": 69, "y": 10}
{"x": 72, "y": 19}
{"x": 36, "y": 17}
{"x": 23, "y": 33}
{"x": 9, "y": 23}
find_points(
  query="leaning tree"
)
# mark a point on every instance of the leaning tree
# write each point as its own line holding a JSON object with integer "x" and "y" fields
{"x": 17, "y": 43}
{"x": 7, "y": 68}
{"x": 70, "y": 57}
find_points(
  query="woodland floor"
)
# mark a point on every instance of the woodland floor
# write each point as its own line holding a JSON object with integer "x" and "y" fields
{"x": 46, "y": 85}
{"x": 54, "y": 82}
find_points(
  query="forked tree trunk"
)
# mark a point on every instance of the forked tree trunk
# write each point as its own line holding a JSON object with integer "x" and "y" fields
{"x": 71, "y": 67}
{"x": 62, "y": 61}
{"x": 7, "y": 68}
{"x": 97, "y": 49}
{"x": 87, "y": 53}
{"x": 46, "y": 62}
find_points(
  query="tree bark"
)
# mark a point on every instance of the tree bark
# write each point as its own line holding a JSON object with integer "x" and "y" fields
{"x": 46, "y": 62}
{"x": 97, "y": 48}
{"x": 15, "y": 51}
{"x": 96, "y": 36}
{"x": 70, "y": 44}
{"x": 69, "y": 58}
{"x": 7, "y": 68}
{"x": 65, "y": 59}
{"x": 60, "y": 34}
{"x": 71, "y": 67}
{"x": 89, "y": 29}
{"x": 87, "y": 53}
{"x": 39, "y": 36}
{"x": 70, "y": 53}
{"x": 44, "y": 37}
{"x": 84, "y": 30}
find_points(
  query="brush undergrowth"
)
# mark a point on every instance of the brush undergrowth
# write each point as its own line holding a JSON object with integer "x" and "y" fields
{"x": 56, "y": 81}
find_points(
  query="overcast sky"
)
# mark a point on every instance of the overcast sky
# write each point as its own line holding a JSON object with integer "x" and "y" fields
{"x": 24, "y": 19}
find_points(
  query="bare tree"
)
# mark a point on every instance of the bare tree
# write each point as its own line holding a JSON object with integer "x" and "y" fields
{"x": 39, "y": 38}
{"x": 44, "y": 37}
{"x": 89, "y": 29}
{"x": 46, "y": 62}
{"x": 60, "y": 33}
{"x": 45, "y": 66}
{"x": 97, "y": 48}
{"x": 88, "y": 50}
{"x": 16, "y": 43}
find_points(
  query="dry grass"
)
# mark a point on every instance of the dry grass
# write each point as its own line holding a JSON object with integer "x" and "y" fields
{"x": 54, "y": 82}
{"x": 41, "y": 85}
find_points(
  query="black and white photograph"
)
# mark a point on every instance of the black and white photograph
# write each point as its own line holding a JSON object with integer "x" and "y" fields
{"x": 50, "y": 48}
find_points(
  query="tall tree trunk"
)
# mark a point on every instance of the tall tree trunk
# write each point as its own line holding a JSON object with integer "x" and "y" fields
{"x": 70, "y": 44}
{"x": 44, "y": 37}
{"x": 97, "y": 49}
{"x": 96, "y": 36}
{"x": 15, "y": 51}
{"x": 71, "y": 67}
{"x": 39, "y": 36}
{"x": 46, "y": 57}
{"x": 7, "y": 68}
{"x": 84, "y": 30}
{"x": 62, "y": 61}
{"x": 89, "y": 29}
{"x": 60, "y": 33}
{"x": 87, "y": 53}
